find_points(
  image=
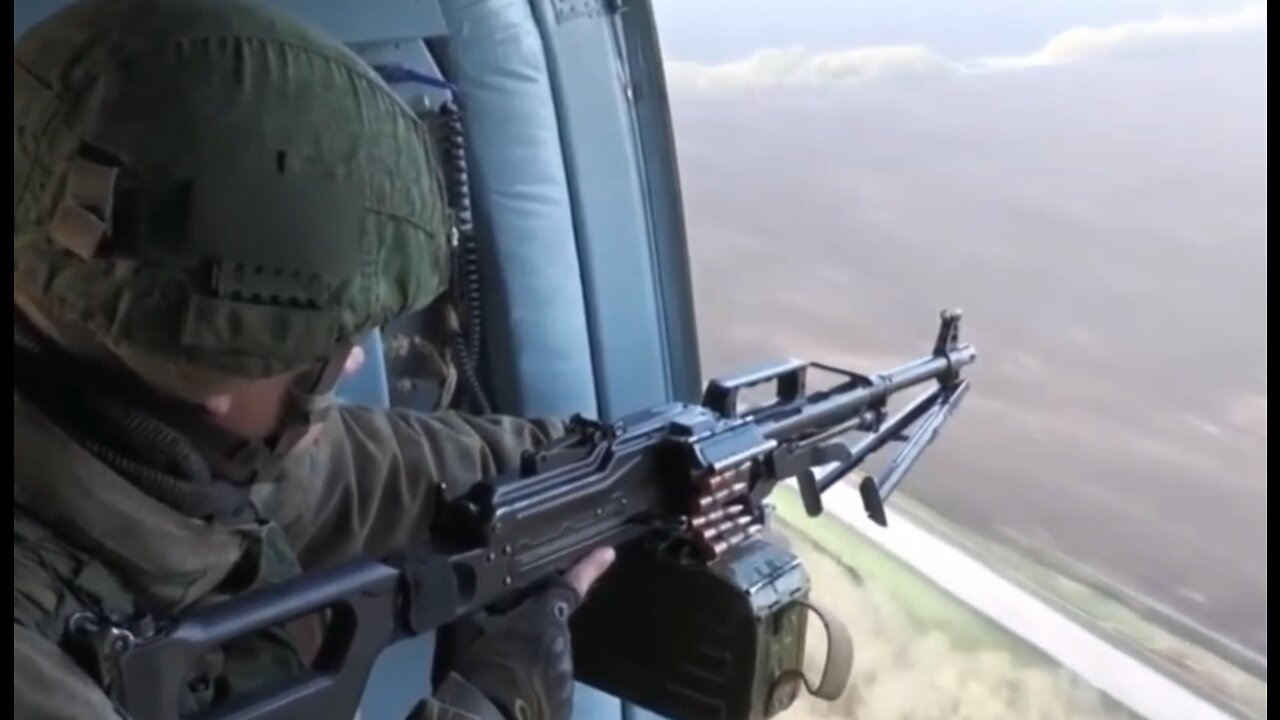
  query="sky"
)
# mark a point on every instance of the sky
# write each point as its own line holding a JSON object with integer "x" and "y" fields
{"x": 714, "y": 31}
{"x": 723, "y": 45}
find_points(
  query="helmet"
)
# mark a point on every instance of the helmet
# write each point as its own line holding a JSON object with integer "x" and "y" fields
{"x": 210, "y": 189}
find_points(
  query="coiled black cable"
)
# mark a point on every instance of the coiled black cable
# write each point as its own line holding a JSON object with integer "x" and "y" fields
{"x": 451, "y": 136}
{"x": 447, "y": 128}
{"x": 459, "y": 190}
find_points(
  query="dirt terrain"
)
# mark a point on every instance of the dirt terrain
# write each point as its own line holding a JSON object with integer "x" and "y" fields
{"x": 928, "y": 658}
{"x": 1104, "y": 229}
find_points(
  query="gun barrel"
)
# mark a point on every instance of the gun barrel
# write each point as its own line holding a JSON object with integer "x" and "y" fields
{"x": 860, "y": 452}
{"x": 925, "y": 369}
{"x": 842, "y": 406}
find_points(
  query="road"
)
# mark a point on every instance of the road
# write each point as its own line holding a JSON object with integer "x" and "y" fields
{"x": 1147, "y": 692}
{"x": 1112, "y": 269}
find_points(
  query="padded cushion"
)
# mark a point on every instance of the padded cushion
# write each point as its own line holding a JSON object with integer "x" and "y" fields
{"x": 538, "y": 351}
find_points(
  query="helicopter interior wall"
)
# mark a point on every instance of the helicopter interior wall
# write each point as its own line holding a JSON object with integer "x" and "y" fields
{"x": 593, "y": 93}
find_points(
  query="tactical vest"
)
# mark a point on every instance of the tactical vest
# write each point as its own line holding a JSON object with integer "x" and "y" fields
{"x": 88, "y": 545}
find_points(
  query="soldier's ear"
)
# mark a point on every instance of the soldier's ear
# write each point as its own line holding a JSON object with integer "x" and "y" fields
{"x": 218, "y": 405}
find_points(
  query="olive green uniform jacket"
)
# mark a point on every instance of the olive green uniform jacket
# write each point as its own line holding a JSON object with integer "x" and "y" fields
{"x": 85, "y": 536}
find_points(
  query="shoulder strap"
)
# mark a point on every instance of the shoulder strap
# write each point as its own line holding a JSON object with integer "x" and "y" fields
{"x": 54, "y": 579}
{"x": 64, "y": 594}
{"x": 74, "y": 601}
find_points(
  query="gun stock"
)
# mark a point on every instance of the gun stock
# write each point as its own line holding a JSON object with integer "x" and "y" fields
{"x": 701, "y": 617}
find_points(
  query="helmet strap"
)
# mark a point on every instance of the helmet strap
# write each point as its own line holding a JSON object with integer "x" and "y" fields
{"x": 307, "y": 405}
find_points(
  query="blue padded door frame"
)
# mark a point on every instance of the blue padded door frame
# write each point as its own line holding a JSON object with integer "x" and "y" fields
{"x": 611, "y": 221}
{"x": 656, "y": 159}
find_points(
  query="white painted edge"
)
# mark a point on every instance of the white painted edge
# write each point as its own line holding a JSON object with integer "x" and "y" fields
{"x": 1137, "y": 686}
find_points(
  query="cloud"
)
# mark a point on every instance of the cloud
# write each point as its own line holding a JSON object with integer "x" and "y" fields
{"x": 800, "y": 67}
{"x": 796, "y": 66}
{"x": 1091, "y": 41}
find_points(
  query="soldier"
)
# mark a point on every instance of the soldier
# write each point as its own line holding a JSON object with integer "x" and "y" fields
{"x": 213, "y": 203}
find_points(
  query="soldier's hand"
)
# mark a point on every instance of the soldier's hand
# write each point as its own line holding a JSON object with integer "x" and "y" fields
{"x": 523, "y": 660}
{"x": 589, "y": 569}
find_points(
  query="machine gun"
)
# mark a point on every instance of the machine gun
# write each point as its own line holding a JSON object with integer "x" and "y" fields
{"x": 700, "y": 617}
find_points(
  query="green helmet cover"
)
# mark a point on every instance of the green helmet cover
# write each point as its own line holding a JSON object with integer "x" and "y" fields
{"x": 213, "y": 184}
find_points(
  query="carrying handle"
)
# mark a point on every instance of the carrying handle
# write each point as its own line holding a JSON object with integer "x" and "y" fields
{"x": 836, "y": 671}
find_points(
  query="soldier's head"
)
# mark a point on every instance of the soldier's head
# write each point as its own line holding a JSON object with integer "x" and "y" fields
{"x": 217, "y": 197}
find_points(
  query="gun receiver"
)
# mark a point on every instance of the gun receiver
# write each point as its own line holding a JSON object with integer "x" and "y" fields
{"x": 700, "y": 617}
